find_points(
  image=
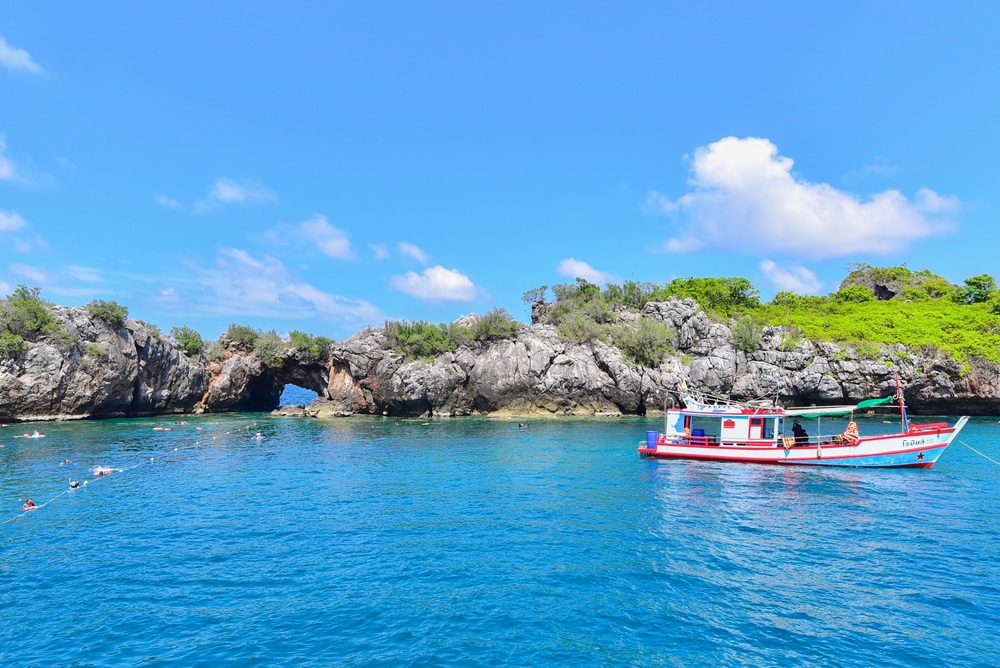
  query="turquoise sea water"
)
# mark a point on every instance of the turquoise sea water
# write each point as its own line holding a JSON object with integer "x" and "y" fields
{"x": 380, "y": 541}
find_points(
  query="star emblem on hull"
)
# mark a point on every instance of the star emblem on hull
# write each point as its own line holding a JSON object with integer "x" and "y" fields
{"x": 920, "y": 456}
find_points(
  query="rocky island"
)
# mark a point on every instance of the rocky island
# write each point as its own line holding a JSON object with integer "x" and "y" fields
{"x": 95, "y": 362}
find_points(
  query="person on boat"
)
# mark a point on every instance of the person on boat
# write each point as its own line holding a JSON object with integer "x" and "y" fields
{"x": 851, "y": 435}
{"x": 801, "y": 437}
{"x": 29, "y": 505}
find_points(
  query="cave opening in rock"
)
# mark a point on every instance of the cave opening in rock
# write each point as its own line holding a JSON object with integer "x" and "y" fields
{"x": 294, "y": 395}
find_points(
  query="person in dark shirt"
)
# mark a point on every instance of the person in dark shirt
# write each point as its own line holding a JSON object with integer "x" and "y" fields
{"x": 801, "y": 437}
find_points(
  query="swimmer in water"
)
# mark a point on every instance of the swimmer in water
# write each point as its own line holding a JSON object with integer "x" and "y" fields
{"x": 29, "y": 505}
{"x": 74, "y": 484}
{"x": 258, "y": 436}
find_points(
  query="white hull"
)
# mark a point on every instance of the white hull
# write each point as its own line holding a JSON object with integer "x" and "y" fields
{"x": 915, "y": 449}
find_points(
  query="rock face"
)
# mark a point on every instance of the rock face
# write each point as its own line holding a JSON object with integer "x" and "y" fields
{"x": 122, "y": 371}
{"x": 107, "y": 371}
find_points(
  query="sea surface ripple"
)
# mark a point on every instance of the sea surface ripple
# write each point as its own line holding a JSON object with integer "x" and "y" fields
{"x": 473, "y": 542}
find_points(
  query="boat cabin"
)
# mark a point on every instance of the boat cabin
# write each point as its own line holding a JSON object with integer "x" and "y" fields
{"x": 752, "y": 427}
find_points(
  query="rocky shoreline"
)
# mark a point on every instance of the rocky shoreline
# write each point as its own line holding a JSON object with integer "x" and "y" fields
{"x": 130, "y": 370}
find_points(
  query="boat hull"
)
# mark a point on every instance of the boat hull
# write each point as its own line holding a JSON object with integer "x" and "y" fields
{"x": 893, "y": 451}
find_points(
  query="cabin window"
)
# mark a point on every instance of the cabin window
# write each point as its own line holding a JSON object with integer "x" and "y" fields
{"x": 707, "y": 427}
{"x": 769, "y": 428}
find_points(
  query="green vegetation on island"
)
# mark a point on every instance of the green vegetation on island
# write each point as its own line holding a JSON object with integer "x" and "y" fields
{"x": 110, "y": 312}
{"x": 873, "y": 306}
{"x": 423, "y": 340}
{"x": 24, "y": 317}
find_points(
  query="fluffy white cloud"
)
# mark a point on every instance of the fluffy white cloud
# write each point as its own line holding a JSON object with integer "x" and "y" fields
{"x": 330, "y": 240}
{"x": 243, "y": 285}
{"x": 929, "y": 201}
{"x": 227, "y": 191}
{"x": 7, "y": 171}
{"x": 746, "y": 198}
{"x": 413, "y": 252}
{"x": 437, "y": 283}
{"x": 381, "y": 251}
{"x": 572, "y": 268}
{"x": 317, "y": 232}
{"x": 85, "y": 274}
{"x": 33, "y": 274}
{"x": 168, "y": 202}
{"x": 17, "y": 59}
{"x": 792, "y": 279}
{"x": 10, "y": 221}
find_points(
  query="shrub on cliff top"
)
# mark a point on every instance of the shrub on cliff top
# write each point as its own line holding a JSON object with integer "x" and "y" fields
{"x": 190, "y": 340}
{"x": 25, "y": 313}
{"x": 12, "y": 345}
{"x": 420, "y": 339}
{"x": 313, "y": 346}
{"x": 717, "y": 296}
{"x": 647, "y": 343}
{"x": 495, "y": 325}
{"x": 268, "y": 346}
{"x": 746, "y": 334}
{"x": 242, "y": 335}
{"x": 110, "y": 312}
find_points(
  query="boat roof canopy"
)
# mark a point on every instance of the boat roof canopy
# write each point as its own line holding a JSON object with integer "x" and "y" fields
{"x": 827, "y": 411}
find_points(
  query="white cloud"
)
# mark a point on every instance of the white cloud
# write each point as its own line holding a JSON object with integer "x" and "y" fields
{"x": 745, "y": 198}
{"x": 243, "y": 285}
{"x": 929, "y": 201}
{"x": 330, "y": 240}
{"x": 437, "y": 283}
{"x": 10, "y": 221}
{"x": 7, "y": 171}
{"x": 33, "y": 274}
{"x": 227, "y": 191}
{"x": 17, "y": 59}
{"x": 316, "y": 231}
{"x": 168, "y": 296}
{"x": 85, "y": 274}
{"x": 5, "y": 288}
{"x": 793, "y": 279}
{"x": 168, "y": 202}
{"x": 658, "y": 203}
{"x": 381, "y": 251}
{"x": 413, "y": 252}
{"x": 572, "y": 268}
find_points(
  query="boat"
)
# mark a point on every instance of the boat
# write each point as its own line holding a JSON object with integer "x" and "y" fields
{"x": 719, "y": 430}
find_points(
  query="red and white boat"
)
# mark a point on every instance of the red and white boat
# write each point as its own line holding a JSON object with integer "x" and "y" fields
{"x": 729, "y": 432}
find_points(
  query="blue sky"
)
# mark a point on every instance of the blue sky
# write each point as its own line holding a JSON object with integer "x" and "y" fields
{"x": 325, "y": 166}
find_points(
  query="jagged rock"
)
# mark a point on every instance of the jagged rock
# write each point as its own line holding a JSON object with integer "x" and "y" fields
{"x": 127, "y": 370}
{"x": 298, "y": 410}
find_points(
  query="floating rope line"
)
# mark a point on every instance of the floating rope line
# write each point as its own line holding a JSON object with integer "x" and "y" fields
{"x": 104, "y": 471}
{"x": 99, "y": 472}
{"x": 979, "y": 453}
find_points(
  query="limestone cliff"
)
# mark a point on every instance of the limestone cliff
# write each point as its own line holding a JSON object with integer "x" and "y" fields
{"x": 106, "y": 371}
{"x": 127, "y": 370}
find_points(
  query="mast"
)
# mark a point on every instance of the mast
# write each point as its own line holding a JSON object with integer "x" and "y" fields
{"x": 902, "y": 406}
